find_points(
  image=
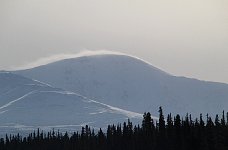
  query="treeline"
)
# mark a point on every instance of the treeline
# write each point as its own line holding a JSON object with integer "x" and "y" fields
{"x": 174, "y": 133}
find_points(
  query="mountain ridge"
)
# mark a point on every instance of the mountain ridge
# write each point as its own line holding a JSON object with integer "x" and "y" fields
{"x": 100, "y": 54}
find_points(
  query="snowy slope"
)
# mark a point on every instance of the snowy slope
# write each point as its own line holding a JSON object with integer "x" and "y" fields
{"x": 26, "y": 105}
{"x": 132, "y": 84}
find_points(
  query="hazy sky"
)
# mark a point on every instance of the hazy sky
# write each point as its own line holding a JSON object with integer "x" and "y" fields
{"x": 182, "y": 37}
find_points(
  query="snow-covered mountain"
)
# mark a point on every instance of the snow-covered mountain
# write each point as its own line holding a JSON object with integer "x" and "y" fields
{"x": 132, "y": 84}
{"x": 27, "y": 104}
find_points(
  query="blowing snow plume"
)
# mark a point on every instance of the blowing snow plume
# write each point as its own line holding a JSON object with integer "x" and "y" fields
{"x": 57, "y": 57}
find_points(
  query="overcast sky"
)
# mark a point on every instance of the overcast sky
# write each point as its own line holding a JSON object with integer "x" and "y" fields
{"x": 182, "y": 37}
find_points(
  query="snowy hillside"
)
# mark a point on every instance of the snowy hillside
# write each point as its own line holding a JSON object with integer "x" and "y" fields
{"x": 132, "y": 84}
{"x": 26, "y": 105}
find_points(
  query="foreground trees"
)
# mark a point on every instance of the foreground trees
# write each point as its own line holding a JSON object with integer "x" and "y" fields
{"x": 173, "y": 133}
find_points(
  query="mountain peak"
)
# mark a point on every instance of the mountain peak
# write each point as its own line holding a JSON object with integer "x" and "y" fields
{"x": 86, "y": 56}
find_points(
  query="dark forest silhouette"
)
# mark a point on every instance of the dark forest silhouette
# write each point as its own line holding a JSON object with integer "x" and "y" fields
{"x": 174, "y": 133}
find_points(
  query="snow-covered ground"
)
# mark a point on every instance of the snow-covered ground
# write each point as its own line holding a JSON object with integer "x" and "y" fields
{"x": 29, "y": 104}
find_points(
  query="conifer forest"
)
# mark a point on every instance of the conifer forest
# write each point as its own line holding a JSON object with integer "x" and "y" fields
{"x": 173, "y": 133}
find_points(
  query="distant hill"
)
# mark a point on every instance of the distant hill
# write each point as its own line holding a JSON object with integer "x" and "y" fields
{"x": 130, "y": 83}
